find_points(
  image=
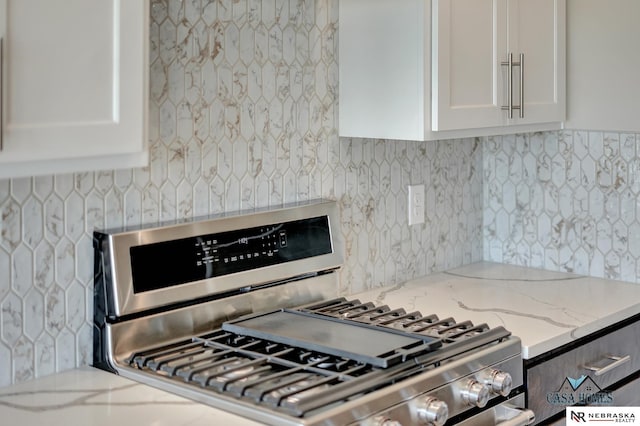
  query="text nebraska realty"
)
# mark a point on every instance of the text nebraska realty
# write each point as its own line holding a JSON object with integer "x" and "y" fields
{"x": 620, "y": 417}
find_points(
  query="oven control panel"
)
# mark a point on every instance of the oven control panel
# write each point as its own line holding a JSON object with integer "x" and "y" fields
{"x": 266, "y": 243}
{"x": 170, "y": 263}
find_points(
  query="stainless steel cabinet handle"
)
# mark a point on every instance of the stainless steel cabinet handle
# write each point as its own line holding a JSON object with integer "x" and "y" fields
{"x": 617, "y": 361}
{"x": 521, "y": 106}
{"x": 510, "y": 64}
{"x": 514, "y": 416}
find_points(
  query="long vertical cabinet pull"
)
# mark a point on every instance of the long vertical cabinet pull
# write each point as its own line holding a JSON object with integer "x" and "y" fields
{"x": 521, "y": 106}
{"x": 510, "y": 64}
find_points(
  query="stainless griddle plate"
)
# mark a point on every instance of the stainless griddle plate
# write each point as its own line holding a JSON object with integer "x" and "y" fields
{"x": 366, "y": 343}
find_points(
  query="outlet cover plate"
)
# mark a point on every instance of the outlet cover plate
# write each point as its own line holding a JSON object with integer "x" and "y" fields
{"x": 416, "y": 204}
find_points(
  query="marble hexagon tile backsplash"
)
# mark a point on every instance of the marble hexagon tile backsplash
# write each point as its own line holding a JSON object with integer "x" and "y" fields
{"x": 243, "y": 113}
{"x": 565, "y": 201}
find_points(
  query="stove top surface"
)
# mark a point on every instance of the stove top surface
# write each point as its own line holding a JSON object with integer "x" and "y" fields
{"x": 298, "y": 379}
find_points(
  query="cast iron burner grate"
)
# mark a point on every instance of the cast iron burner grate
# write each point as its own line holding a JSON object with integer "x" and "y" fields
{"x": 447, "y": 330}
{"x": 280, "y": 376}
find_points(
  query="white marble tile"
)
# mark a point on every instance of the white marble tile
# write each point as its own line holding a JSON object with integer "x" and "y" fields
{"x": 20, "y": 189}
{"x": 44, "y": 356}
{"x": 75, "y": 306}
{"x": 5, "y": 364}
{"x": 74, "y": 216}
{"x": 22, "y": 270}
{"x": 65, "y": 359}
{"x": 84, "y": 267}
{"x": 5, "y": 273}
{"x": 10, "y": 231}
{"x": 23, "y": 366}
{"x": 55, "y": 310}
{"x": 34, "y": 314}
{"x": 114, "y": 214}
{"x": 132, "y": 206}
{"x": 43, "y": 186}
{"x": 44, "y": 265}
{"x": 33, "y": 214}
{"x": 12, "y": 319}
{"x": 65, "y": 262}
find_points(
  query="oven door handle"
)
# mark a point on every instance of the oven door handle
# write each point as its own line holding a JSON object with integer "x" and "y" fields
{"x": 617, "y": 361}
{"x": 514, "y": 416}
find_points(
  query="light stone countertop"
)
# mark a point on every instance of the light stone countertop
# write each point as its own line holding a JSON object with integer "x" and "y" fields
{"x": 92, "y": 397}
{"x": 545, "y": 309}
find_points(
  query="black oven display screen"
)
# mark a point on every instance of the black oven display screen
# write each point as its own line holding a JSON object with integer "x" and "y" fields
{"x": 170, "y": 263}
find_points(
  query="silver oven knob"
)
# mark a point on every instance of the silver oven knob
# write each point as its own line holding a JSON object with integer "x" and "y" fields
{"x": 385, "y": 421}
{"x": 499, "y": 382}
{"x": 432, "y": 412}
{"x": 475, "y": 393}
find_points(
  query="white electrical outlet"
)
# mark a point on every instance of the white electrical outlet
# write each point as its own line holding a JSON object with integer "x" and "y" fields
{"x": 416, "y": 205}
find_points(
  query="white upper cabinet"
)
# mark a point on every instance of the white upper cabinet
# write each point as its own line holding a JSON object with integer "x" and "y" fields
{"x": 74, "y": 85}
{"x": 422, "y": 70}
{"x": 473, "y": 83}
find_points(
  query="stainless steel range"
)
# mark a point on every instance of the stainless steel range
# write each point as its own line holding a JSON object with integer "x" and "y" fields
{"x": 241, "y": 312}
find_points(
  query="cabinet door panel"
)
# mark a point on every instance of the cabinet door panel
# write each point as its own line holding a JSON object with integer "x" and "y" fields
{"x": 536, "y": 29}
{"x": 471, "y": 44}
{"x": 74, "y": 85}
{"x": 64, "y": 94}
{"x": 382, "y": 54}
{"x": 466, "y": 52}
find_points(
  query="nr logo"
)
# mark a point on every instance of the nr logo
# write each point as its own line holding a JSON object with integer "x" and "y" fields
{"x": 577, "y": 417}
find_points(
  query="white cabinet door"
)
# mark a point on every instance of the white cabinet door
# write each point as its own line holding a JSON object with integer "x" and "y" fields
{"x": 472, "y": 41}
{"x": 74, "y": 85}
{"x": 537, "y": 31}
{"x": 382, "y": 63}
{"x": 468, "y": 45}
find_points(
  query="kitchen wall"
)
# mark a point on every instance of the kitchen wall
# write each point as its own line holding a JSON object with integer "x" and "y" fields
{"x": 564, "y": 201}
{"x": 243, "y": 113}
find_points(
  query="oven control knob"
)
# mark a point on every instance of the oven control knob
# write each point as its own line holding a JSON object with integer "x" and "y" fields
{"x": 433, "y": 412}
{"x": 499, "y": 382}
{"x": 475, "y": 393}
{"x": 385, "y": 421}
